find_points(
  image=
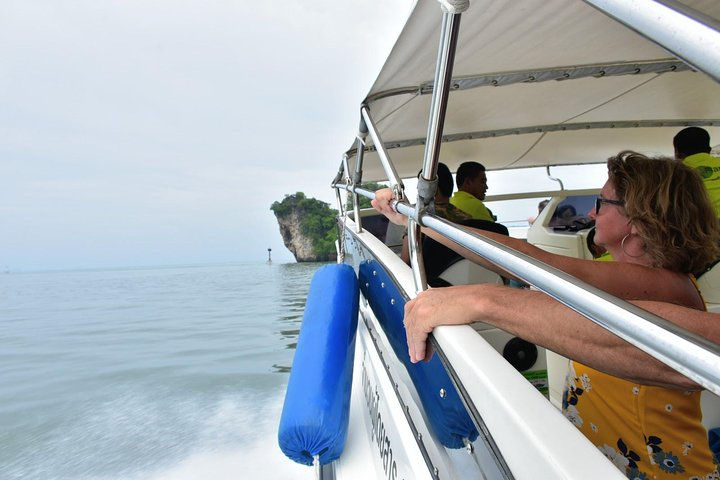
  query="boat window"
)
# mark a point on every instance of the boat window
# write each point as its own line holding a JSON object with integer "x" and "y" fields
{"x": 572, "y": 213}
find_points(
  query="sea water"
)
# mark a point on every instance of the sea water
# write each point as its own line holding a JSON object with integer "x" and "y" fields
{"x": 148, "y": 373}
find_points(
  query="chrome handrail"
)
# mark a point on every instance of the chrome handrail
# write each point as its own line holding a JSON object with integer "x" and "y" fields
{"x": 690, "y": 354}
{"x": 687, "y": 33}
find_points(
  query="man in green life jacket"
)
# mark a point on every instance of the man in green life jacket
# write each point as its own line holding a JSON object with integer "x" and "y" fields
{"x": 692, "y": 147}
{"x": 472, "y": 184}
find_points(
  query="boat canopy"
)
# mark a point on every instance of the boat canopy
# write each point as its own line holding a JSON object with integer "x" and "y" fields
{"x": 544, "y": 83}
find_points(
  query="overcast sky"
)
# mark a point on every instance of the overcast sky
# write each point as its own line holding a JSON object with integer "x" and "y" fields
{"x": 155, "y": 132}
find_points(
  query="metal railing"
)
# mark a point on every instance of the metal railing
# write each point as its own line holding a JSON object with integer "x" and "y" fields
{"x": 687, "y": 33}
{"x": 690, "y": 354}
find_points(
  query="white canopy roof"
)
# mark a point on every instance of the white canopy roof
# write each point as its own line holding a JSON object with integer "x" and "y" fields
{"x": 538, "y": 82}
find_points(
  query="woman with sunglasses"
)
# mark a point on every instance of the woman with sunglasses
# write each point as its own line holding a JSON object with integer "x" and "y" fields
{"x": 653, "y": 216}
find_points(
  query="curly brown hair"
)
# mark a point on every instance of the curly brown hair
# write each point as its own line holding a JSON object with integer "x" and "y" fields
{"x": 668, "y": 204}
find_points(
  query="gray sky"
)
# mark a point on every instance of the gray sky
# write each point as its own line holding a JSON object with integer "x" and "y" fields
{"x": 155, "y": 132}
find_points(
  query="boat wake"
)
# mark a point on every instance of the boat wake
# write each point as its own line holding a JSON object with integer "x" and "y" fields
{"x": 143, "y": 436}
{"x": 258, "y": 458}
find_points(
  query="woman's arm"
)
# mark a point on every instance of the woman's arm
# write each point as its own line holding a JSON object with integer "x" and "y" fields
{"x": 624, "y": 280}
{"x": 538, "y": 318}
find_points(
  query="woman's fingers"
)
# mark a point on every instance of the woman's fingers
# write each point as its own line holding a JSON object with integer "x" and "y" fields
{"x": 416, "y": 335}
{"x": 437, "y": 306}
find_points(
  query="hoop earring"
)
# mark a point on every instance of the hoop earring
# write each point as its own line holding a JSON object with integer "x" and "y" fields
{"x": 622, "y": 247}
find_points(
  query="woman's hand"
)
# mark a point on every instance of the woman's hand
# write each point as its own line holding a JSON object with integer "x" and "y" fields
{"x": 438, "y": 306}
{"x": 383, "y": 204}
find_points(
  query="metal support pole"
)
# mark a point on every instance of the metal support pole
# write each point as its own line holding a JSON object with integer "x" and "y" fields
{"x": 547, "y": 170}
{"x": 427, "y": 183}
{"x": 389, "y": 168}
{"x": 686, "y": 33}
{"x": 357, "y": 177}
{"x": 339, "y": 202}
{"x": 441, "y": 90}
{"x": 336, "y": 181}
{"x": 416, "y": 259}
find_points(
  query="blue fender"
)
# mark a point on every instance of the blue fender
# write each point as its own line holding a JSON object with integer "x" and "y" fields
{"x": 446, "y": 414}
{"x": 315, "y": 414}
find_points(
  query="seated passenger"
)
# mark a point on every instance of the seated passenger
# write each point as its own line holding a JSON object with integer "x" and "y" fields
{"x": 472, "y": 185}
{"x": 541, "y": 207}
{"x": 692, "y": 147}
{"x": 443, "y": 207}
{"x": 655, "y": 219}
{"x": 566, "y": 212}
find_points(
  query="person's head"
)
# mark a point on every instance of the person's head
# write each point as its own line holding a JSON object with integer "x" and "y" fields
{"x": 691, "y": 140}
{"x": 665, "y": 205}
{"x": 445, "y": 181}
{"x": 542, "y": 205}
{"x": 471, "y": 178}
{"x": 566, "y": 212}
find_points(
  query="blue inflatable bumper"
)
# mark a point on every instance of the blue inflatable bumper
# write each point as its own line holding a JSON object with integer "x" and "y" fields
{"x": 446, "y": 414}
{"x": 314, "y": 419}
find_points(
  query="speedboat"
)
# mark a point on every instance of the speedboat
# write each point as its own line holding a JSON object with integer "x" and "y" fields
{"x": 516, "y": 85}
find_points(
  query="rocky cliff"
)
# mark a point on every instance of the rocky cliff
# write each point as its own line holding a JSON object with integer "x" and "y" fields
{"x": 299, "y": 244}
{"x": 307, "y": 227}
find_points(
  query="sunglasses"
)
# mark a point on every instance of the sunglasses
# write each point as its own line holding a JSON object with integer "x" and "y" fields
{"x": 599, "y": 201}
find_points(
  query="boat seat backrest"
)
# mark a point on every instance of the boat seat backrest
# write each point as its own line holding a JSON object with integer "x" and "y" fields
{"x": 465, "y": 272}
{"x": 394, "y": 234}
{"x": 444, "y": 263}
{"x": 709, "y": 285}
